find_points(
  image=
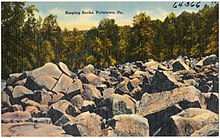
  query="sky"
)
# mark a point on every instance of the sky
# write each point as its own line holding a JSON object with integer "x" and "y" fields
{"x": 156, "y": 10}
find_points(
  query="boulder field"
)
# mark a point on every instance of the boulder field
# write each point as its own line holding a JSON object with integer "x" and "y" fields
{"x": 143, "y": 98}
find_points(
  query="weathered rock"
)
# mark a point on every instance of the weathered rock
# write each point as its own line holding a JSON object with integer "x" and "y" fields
{"x": 21, "y": 82}
{"x": 85, "y": 124}
{"x": 134, "y": 83}
{"x": 104, "y": 74}
{"x": 42, "y": 97}
{"x": 212, "y": 101}
{"x": 87, "y": 106}
{"x": 32, "y": 110}
{"x": 62, "y": 84}
{"x": 74, "y": 88}
{"x": 107, "y": 92}
{"x": 160, "y": 106}
{"x": 48, "y": 69}
{"x": 43, "y": 81}
{"x": 191, "y": 82}
{"x": 211, "y": 129}
{"x": 17, "y": 116}
{"x": 117, "y": 104}
{"x": 28, "y": 102}
{"x": 20, "y": 91}
{"x": 31, "y": 129}
{"x": 55, "y": 97}
{"x": 5, "y": 100}
{"x": 212, "y": 59}
{"x": 91, "y": 93}
{"x": 130, "y": 125}
{"x": 151, "y": 103}
{"x": 63, "y": 67}
{"x": 122, "y": 87}
{"x": 152, "y": 64}
{"x": 63, "y": 120}
{"x": 179, "y": 64}
{"x": 187, "y": 122}
{"x": 77, "y": 101}
{"x": 42, "y": 120}
{"x": 12, "y": 108}
{"x": 91, "y": 78}
{"x": 164, "y": 81}
{"x": 88, "y": 69}
{"x": 61, "y": 107}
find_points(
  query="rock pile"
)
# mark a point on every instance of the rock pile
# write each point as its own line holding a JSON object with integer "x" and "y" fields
{"x": 171, "y": 98}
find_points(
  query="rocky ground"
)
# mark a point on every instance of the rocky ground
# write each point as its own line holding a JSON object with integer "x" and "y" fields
{"x": 171, "y": 98}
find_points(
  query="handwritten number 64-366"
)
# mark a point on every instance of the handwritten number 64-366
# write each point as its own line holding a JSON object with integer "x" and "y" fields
{"x": 186, "y": 4}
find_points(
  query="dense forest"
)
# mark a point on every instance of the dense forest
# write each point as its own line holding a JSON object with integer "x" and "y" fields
{"x": 28, "y": 43}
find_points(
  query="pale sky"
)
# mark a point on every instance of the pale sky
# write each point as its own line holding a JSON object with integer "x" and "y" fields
{"x": 157, "y": 10}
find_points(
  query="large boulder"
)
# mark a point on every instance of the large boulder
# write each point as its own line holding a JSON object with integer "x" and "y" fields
{"x": 116, "y": 104}
{"x": 164, "y": 81}
{"x": 61, "y": 107}
{"x": 17, "y": 116}
{"x": 160, "y": 106}
{"x": 189, "y": 122}
{"x": 20, "y": 91}
{"x": 91, "y": 78}
{"x": 212, "y": 59}
{"x": 12, "y": 108}
{"x": 85, "y": 124}
{"x": 49, "y": 69}
{"x": 88, "y": 69}
{"x": 129, "y": 125}
{"x": 179, "y": 64}
{"x": 31, "y": 129}
{"x": 91, "y": 93}
{"x": 62, "y": 84}
{"x": 211, "y": 129}
{"x": 151, "y": 103}
{"x": 63, "y": 67}
{"x": 42, "y": 97}
{"x": 43, "y": 81}
{"x": 212, "y": 101}
{"x": 77, "y": 101}
{"x": 74, "y": 88}
{"x": 5, "y": 100}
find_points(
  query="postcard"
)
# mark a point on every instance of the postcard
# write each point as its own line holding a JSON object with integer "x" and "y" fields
{"x": 109, "y": 69}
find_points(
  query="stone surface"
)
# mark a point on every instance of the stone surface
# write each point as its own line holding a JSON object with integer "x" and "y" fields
{"x": 5, "y": 100}
{"x": 17, "y": 116}
{"x": 151, "y": 103}
{"x": 85, "y": 124}
{"x": 20, "y": 91}
{"x": 77, "y": 101}
{"x": 63, "y": 67}
{"x": 48, "y": 69}
{"x": 188, "y": 122}
{"x": 91, "y": 92}
{"x": 179, "y": 64}
{"x": 62, "y": 84}
{"x": 130, "y": 125}
{"x": 61, "y": 107}
{"x": 43, "y": 81}
{"x": 88, "y": 69}
{"x": 91, "y": 78}
{"x": 117, "y": 104}
{"x": 164, "y": 81}
{"x": 42, "y": 97}
{"x": 12, "y": 108}
{"x": 31, "y": 129}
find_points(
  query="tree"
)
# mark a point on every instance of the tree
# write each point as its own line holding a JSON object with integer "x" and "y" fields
{"x": 142, "y": 37}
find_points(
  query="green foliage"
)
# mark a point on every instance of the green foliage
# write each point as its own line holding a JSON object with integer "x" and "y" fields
{"x": 28, "y": 43}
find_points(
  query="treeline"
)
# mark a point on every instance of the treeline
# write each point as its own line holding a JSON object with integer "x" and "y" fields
{"x": 28, "y": 43}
